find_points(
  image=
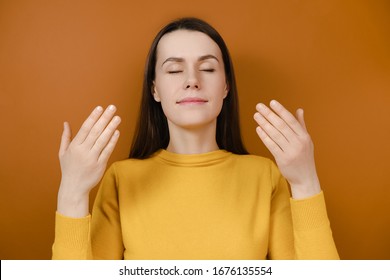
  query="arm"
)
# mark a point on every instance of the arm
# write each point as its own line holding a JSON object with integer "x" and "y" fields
{"x": 299, "y": 229}
{"x": 83, "y": 161}
{"x": 288, "y": 140}
{"x": 96, "y": 236}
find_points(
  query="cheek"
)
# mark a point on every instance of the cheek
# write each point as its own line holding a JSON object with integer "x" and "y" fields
{"x": 220, "y": 104}
{"x": 166, "y": 88}
{"x": 217, "y": 85}
{"x": 220, "y": 90}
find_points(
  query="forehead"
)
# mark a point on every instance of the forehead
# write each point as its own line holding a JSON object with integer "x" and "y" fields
{"x": 185, "y": 43}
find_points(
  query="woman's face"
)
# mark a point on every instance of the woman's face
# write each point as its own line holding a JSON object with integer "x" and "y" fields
{"x": 190, "y": 79}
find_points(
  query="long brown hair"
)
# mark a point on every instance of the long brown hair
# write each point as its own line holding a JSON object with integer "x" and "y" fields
{"x": 152, "y": 131}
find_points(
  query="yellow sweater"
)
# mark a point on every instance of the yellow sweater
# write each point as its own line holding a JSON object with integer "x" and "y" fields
{"x": 216, "y": 205}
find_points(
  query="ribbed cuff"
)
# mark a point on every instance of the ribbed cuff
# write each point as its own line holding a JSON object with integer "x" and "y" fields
{"x": 309, "y": 213}
{"x": 72, "y": 233}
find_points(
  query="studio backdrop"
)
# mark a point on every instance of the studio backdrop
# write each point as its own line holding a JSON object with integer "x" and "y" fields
{"x": 60, "y": 59}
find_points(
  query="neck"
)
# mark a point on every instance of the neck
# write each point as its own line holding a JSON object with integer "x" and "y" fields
{"x": 194, "y": 140}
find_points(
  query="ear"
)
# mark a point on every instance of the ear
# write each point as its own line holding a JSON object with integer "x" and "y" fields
{"x": 226, "y": 90}
{"x": 156, "y": 96}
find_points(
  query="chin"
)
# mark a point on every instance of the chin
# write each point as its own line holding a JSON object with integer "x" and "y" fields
{"x": 194, "y": 123}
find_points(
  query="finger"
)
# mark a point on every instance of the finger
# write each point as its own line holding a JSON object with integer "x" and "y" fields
{"x": 271, "y": 131}
{"x": 301, "y": 119}
{"x": 106, "y": 135}
{"x": 99, "y": 126}
{"x": 276, "y": 121}
{"x": 268, "y": 142}
{"x": 65, "y": 139}
{"x": 109, "y": 148}
{"x": 88, "y": 124}
{"x": 289, "y": 118}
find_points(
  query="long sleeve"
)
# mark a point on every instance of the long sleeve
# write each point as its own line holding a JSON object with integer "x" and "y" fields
{"x": 299, "y": 229}
{"x": 97, "y": 236}
{"x": 313, "y": 237}
{"x": 72, "y": 238}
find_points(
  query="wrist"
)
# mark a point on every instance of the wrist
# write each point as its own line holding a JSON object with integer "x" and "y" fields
{"x": 305, "y": 190}
{"x": 72, "y": 205}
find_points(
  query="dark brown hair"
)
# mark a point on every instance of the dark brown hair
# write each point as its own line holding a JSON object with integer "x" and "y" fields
{"x": 152, "y": 131}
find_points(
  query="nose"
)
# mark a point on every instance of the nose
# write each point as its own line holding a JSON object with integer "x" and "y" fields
{"x": 190, "y": 85}
{"x": 192, "y": 81}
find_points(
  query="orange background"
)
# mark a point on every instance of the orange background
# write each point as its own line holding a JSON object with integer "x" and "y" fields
{"x": 59, "y": 59}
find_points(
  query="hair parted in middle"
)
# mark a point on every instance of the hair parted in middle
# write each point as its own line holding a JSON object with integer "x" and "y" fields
{"x": 152, "y": 131}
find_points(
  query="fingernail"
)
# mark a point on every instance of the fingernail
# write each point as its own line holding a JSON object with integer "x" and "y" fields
{"x": 274, "y": 102}
{"x": 111, "y": 107}
{"x": 261, "y": 106}
{"x": 99, "y": 109}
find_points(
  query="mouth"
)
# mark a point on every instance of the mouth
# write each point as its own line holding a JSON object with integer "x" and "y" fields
{"x": 191, "y": 100}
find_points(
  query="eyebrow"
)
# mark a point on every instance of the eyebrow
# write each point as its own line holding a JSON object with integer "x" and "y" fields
{"x": 180, "y": 59}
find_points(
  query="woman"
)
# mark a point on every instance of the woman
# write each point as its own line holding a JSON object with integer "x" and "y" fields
{"x": 190, "y": 190}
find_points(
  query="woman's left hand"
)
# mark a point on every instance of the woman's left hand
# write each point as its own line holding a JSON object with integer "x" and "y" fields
{"x": 287, "y": 139}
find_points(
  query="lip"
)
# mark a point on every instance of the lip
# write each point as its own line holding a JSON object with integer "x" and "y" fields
{"x": 192, "y": 100}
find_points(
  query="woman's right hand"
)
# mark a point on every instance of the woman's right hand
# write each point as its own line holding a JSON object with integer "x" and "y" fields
{"x": 84, "y": 159}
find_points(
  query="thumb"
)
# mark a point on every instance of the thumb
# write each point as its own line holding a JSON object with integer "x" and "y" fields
{"x": 65, "y": 139}
{"x": 301, "y": 119}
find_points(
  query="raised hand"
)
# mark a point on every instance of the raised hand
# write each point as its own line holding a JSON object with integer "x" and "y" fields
{"x": 286, "y": 137}
{"x": 84, "y": 159}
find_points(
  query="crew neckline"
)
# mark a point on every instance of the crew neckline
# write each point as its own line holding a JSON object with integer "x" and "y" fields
{"x": 203, "y": 159}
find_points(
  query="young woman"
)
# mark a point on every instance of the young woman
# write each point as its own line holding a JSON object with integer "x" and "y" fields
{"x": 190, "y": 190}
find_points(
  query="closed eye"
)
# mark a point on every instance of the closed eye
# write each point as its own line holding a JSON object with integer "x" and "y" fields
{"x": 208, "y": 70}
{"x": 174, "y": 72}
